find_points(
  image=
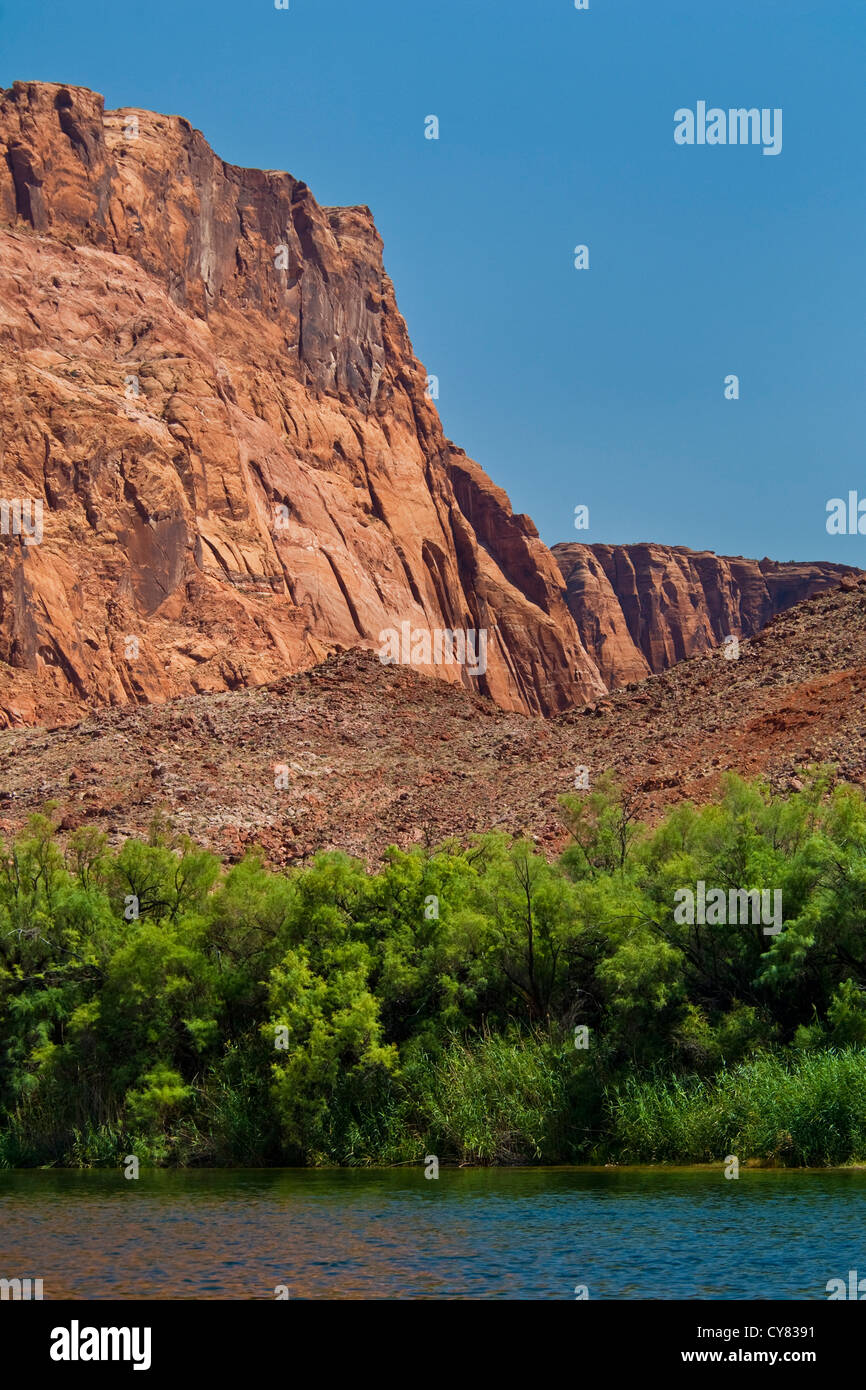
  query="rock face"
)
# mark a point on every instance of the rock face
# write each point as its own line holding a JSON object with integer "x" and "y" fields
{"x": 206, "y": 385}
{"x": 642, "y": 608}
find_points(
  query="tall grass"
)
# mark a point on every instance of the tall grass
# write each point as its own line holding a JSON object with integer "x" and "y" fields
{"x": 804, "y": 1109}
{"x": 499, "y": 1099}
{"x": 503, "y": 1099}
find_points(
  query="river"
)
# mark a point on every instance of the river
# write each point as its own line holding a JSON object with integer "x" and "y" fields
{"x": 618, "y": 1233}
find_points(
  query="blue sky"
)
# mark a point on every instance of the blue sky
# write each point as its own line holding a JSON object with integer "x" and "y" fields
{"x": 606, "y": 386}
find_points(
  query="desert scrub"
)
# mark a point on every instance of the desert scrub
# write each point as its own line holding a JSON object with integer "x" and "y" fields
{"x": 242, "y": 1015}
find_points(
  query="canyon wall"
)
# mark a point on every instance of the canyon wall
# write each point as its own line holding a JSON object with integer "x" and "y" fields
{"x": 206, "y": 384}
{"x": 212, "y": 415}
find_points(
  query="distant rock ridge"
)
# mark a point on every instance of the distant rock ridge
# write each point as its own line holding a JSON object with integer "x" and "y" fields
{"x": 642, "y": 608}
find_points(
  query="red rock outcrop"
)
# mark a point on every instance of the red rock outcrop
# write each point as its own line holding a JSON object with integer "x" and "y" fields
{"x": 206, "y": 383}
{"x": 642, "y": 608}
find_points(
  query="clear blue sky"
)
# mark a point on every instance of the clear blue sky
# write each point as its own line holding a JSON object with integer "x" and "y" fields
{"x": 605, "y": 386}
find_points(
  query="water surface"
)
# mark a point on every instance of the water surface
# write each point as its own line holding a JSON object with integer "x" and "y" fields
{"x": 660, "y": 1233}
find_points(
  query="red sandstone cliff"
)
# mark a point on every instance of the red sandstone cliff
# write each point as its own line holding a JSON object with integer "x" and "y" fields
{"x": 205, "y": 379}
{"x": 206, "y": 382}
{"x": 642, "y": 608}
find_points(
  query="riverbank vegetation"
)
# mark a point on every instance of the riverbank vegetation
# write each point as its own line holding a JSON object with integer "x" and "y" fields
{"x": 477, "y": 1002}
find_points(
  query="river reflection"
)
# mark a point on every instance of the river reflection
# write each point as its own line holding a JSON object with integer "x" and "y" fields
{"x": 473, "y": 1233}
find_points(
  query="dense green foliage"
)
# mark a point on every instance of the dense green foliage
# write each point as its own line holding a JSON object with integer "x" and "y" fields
{"x": 437, "y": 1006}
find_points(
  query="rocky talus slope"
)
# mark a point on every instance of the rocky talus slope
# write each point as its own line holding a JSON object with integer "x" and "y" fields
{"x": 355, "y": 755}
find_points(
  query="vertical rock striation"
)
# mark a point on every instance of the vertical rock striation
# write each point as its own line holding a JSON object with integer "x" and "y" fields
{"x": 642, "y": 608}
